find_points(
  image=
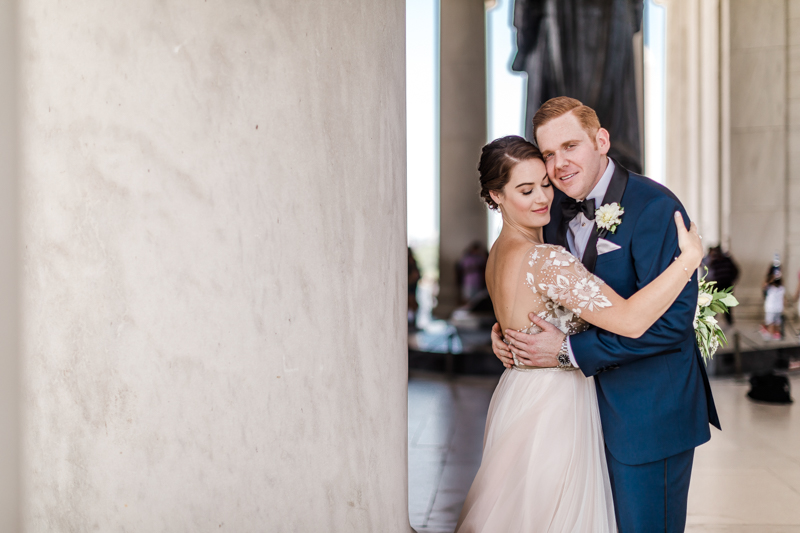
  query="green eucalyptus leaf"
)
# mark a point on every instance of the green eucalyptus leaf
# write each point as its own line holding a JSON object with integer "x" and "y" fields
{"x": 716, "y": 307}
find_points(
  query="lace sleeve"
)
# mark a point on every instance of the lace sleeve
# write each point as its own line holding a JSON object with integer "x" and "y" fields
{"x": 556, "y": 274}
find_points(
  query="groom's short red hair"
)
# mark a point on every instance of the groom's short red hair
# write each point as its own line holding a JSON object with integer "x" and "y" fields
{"x": 561, "y": 105}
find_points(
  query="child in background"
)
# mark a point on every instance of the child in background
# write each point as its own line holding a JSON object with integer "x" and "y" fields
{"x": 774, "y": 293}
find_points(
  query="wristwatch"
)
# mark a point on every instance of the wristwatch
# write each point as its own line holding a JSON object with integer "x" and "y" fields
{"x": 563, "y": 355}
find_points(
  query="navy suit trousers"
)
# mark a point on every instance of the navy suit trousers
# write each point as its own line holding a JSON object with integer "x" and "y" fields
{"x": 651, "y": 497}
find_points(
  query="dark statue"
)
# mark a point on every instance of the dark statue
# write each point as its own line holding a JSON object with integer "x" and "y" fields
{"x": 583, "y": 49}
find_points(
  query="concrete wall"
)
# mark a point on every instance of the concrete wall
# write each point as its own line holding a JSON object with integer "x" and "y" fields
{"x": 213, "y": 222}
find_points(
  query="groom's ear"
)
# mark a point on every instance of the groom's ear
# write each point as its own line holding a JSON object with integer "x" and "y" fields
{"x": 602, "y": 140}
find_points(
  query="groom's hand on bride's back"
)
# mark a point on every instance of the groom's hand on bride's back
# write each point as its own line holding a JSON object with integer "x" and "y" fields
{"x": 539, "y": 350}
{"x": 500, "y": 348}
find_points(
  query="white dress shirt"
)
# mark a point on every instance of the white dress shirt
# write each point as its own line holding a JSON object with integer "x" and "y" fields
{"x": 580, "y": 228}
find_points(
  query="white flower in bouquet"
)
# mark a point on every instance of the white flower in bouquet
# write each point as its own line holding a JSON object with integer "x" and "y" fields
{"x": 710, "y": 302}
{"x": 608, "y": 216}
{"x": 704, "y": 299}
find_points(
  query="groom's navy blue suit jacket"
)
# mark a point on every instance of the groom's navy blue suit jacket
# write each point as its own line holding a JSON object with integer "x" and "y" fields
{"x": 653, "y": 392}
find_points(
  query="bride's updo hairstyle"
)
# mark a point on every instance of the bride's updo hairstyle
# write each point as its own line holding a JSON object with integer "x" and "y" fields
{"x": 498, "y": 158}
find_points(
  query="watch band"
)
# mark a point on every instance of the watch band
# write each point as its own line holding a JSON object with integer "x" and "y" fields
{"x": 563, "y": 355}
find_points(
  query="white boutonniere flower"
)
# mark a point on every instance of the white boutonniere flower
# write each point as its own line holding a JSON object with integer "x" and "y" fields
{"x": 609, "y": 216}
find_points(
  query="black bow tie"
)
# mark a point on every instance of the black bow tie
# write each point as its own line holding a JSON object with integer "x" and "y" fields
{"x": 570, "y": 208}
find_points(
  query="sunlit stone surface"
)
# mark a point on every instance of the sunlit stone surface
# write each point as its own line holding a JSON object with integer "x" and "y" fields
{"x": 214, "y": 232}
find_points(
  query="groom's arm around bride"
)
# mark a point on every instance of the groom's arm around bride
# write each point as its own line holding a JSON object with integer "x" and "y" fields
{"x": 653, "y": 392}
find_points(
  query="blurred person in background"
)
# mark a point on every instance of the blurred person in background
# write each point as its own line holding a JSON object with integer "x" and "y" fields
{"x": 413, "y": 279}
{"x": 774, "y": 293}
{"x": 723, "y": 270}
{"x": 471, "y": 271}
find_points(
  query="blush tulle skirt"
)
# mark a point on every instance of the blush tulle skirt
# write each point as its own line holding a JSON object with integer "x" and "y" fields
{"x": 543, "y": 467}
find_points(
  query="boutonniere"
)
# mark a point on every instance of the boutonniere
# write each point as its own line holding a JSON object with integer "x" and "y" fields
{"x": 608, "y": 216}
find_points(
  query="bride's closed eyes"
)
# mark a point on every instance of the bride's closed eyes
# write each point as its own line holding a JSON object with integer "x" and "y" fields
{"x": 545, "y": 184}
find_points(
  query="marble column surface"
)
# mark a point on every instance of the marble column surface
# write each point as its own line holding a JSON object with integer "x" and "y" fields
{"x": 9, "y": 274}
{"x": 462, "y": 212}
{"x": 758, "y": 99}
{"x": 213, "y": 225}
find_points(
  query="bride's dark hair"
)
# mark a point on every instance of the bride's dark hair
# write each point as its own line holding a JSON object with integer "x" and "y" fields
{"x": 497, "y": 160}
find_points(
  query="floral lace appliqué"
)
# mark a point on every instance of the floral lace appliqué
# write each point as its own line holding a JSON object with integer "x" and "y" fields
{"x": 587, "y": 290}
{"x": 564, "y": 284}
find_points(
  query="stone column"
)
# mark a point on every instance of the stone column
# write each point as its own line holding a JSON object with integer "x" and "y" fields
{"x": 793, "y": 148}
{"x": 693, "y": 110}
{"x": 708, "y": 211}
{"x": 760, "y": 201}
{"x": 462, "y": 214}
{"x": 9, "y": 274}
{"x": 725, "y": 122}
{"x": 733, "y": 131}
{"x": 214, "y": 266}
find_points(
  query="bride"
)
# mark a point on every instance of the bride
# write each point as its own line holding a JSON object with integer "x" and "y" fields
{"x": 544, "y": 465}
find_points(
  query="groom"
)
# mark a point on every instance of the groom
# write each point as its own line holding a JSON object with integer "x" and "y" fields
{"x": 653, "y": 393}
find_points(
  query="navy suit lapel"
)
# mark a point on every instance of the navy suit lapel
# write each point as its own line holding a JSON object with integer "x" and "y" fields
{"x": 562, "y": 227}
{"x": 615, "y": 191}
{"x": 616, "y": 188}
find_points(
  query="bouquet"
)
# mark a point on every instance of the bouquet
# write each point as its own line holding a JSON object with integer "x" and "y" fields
{"x": 710, "y": 302}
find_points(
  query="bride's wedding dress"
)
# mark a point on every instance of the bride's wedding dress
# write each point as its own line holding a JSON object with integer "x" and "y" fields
{"x": 544, "y": 467}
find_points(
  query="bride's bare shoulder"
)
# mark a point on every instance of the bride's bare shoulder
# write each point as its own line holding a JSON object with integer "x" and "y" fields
{"x": 510, "y": 259}
{"x": 516, "y": 252}
{"x": 548, "y": 251}
{"x": 511, "y": 251}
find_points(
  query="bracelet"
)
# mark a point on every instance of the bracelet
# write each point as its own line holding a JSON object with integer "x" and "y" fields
{"x": 563, "y": 355}
{"x": 686, "y": 269}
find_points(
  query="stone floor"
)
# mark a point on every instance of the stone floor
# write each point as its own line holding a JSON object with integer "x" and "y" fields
{"x": 746, "y": 480}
